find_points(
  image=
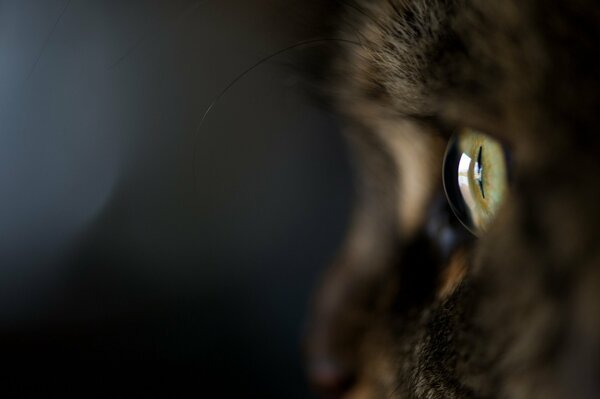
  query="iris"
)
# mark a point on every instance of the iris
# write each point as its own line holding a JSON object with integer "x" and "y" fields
{"x": 475, "y": 178}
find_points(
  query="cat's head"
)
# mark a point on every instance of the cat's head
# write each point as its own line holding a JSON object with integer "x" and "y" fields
{"x": 416, "y": 306}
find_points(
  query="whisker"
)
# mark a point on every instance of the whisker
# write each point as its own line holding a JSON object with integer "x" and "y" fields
{"x": 248, "y": 71}
{"x": 263, "y": 60}
{"x": 47, "y": 40}
{"x": 184, "y": 13}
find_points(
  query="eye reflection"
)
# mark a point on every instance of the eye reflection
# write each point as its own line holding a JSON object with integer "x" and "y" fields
{"x": 475, "y": 178}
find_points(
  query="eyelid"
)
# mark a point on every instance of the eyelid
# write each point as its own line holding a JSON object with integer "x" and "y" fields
{"x": 436, "y": 124}
{"x": 493, "y": 124}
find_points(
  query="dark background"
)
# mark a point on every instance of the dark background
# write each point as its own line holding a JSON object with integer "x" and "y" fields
{"x": 129, "y": 237}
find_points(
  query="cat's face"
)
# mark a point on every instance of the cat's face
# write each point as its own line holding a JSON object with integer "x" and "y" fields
{"x": 415, "y": 306}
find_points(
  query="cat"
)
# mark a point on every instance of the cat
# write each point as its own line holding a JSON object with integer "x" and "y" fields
{"x": 415, "y": 305}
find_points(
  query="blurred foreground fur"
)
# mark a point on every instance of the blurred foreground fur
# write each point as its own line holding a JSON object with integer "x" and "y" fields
{"x": 403, "y": 313}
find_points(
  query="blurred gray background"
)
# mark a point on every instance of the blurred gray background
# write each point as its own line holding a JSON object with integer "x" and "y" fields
{"x": 129, "y": 236}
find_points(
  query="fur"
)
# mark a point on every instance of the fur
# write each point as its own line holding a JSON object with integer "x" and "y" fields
{"x": 515, "y": 313}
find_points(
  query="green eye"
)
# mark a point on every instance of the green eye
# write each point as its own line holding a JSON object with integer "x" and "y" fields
{"x": 475, "y": 178}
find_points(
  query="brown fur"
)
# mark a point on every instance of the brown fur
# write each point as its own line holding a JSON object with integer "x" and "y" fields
{"x": 519, "y": 316}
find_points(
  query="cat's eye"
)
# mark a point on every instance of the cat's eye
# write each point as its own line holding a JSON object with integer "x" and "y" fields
{"x": 475, "y": 178}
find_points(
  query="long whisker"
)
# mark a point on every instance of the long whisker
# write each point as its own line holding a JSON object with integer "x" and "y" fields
{"x": 258, "y": 63}
{"x": 248, "y": 71}
{"x": 47, "y": 40}
{"x": 186, "y": 12}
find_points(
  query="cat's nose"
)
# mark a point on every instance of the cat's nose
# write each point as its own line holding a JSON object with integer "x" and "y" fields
{"x": 329, "y": 379}
{"x": 332, "y": 341}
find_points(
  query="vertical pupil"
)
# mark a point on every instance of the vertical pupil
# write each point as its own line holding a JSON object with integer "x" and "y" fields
{"x": 479, "y": 172}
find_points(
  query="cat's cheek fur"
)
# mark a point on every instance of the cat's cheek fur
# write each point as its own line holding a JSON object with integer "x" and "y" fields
{"x": 417, "y": 155}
